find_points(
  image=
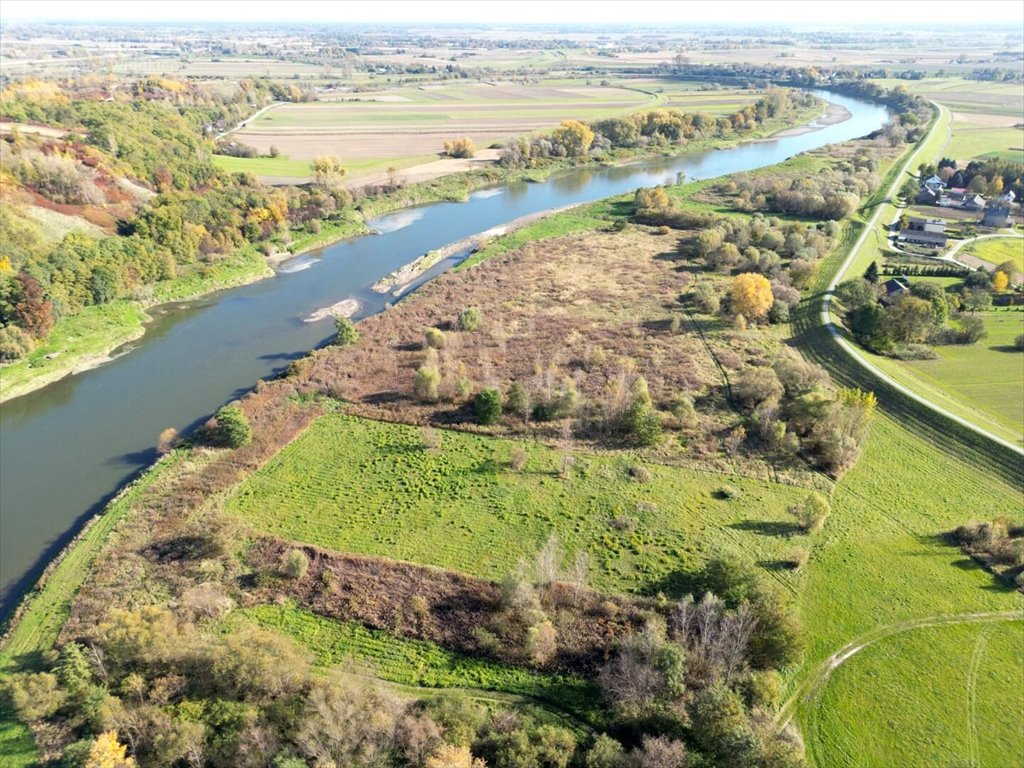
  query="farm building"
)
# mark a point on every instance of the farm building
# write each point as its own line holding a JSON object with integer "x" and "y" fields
{"x": 997, "y": 216}
{"x": 924, "y": 237}
{"x": 918, "y": 224}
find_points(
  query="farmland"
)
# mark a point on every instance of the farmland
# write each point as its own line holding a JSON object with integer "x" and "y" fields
{"x": 369, "y": 487}
{"x": 408, "y": 125}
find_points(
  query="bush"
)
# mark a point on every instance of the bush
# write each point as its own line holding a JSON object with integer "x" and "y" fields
{"x": 347, "y": 332}
{"x": 1018, "y": 343}
{"x": 517, "y": 459}
{"x": 811, "y": 512}
{"x": 469, "y": 319}
{"x": 426, "y": 383}
{"x": 296, "y": 564}
{"x": 232, "y": 427}
{"x": 487, "y": 406}
{"x": 14, "y": 343}
{"x": 460, "y": 148}
{"x": 434, "y": 338}
{"x": 518, "y": 401}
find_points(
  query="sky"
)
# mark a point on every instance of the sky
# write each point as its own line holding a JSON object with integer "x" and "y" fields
{"x": 785, "y": 12}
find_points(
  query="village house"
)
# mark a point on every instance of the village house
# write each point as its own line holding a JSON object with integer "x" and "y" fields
{"x": 893, "y": 290}
{"x": 996, "y": 216}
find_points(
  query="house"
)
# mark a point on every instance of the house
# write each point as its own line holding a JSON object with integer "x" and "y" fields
{"x": 973, "y": 203}
{"x": 996, "y": 216}
{"x": 928, "y": 196}
{"x": 935, "y": 240}
{"x": 895, "y": 289}
{"x": 916, "y": 224}
{"x": 1007, "y": 197}
{"x": 934, "y": 183}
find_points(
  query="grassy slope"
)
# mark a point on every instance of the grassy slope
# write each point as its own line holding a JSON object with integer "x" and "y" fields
{"x": 419, "y": 663}
{"x": 362, "y": 486}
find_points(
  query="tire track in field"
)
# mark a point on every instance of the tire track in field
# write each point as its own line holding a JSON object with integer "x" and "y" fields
{"x": 972, "y": 696}
{"x": 819, "y": 675}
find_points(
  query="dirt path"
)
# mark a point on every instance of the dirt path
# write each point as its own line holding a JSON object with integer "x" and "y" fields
{"x": 818, "y": 677}
{"x": 972, "y": 695}
{"x": 242, "y": 123}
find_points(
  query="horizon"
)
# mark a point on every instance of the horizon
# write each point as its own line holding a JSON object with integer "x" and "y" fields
{"x": 601, "y": 13}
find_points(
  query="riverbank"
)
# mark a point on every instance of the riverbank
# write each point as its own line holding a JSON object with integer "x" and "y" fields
{"x": 91, "y": 337}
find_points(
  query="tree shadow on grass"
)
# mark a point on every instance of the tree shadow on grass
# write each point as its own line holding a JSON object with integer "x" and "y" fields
{"x": 776, "y": 565}
{"x": 768, "y": 527}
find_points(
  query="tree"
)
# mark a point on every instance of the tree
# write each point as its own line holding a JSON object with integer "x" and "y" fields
{"x": 469, "y": 319}
{"x": 274, "y": 151}
{"x": 449, "y": 756}
{"x": 347, "y": 333}
{"x": 167, "y": 440}
{"x": 32, "y": 311}
{"x": 1000, "y": 281}
{"x": 108, "y": 752}
{"x": 869, "y": 325}
{"x": 909, "y": 320}
{"x": 34, "y": 696}
{"x": 856, "y": 293}
{"x": 328, "y": 172}
{"x": 14, "y": 343}
{"x": 232, "y": 427}
{"x": 460, "y": 148}
{"x": 487, "y": 406}
{"x": 574, "y": 137}
{"x": 751, "y": 295}
{"x": 871, "y": 273}
{"x": 518, "y": 401}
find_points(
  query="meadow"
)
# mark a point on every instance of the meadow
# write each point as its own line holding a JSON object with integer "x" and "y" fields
{"x": 369, "y": 487}
{"x": 962, "y": 680}
{"x": 418, "y": 663}
{"x": 997, "y": 250}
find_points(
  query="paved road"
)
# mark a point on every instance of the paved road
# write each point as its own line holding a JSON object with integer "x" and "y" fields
{"x": 826, "y": 319}
{"x": 251, "y": 117}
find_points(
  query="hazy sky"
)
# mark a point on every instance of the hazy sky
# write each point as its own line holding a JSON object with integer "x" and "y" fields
{"x": 790, "y": 12}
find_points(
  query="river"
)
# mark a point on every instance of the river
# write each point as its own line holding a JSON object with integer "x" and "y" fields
{"x": 66, "y": 449}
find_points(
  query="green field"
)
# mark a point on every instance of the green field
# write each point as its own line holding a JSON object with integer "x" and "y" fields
{"x": 999, "y": 249}
{"x": 932, "y": 696}
{"x": 981, "y": 382}
{"x": 419, "y": 663}
{"x": 964, "y": 95}
{"x": 355, "y": 485}
{"x": 263, "y": 166}
{"x": 973, "y": 139}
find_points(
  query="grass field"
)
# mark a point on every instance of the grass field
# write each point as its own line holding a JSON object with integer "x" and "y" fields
{"x": 963, "y": 95}
{"x": 419, "y": 663}
{"x": 927, "y": 697}
{"x": 368, "y": 487}
{"x": 998, "y": 250}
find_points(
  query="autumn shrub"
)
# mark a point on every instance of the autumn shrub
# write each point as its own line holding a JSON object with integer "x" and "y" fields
{"x": 347, "y": 333}
{"x": 296, "y": 564}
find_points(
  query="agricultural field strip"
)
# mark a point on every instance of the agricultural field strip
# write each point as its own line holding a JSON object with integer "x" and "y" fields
{"x": 819, "y": 676}
{"x": 826, "y": 308}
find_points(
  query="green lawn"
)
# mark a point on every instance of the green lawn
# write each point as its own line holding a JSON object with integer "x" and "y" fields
{"x": 998, "y": 249}
{"x": 972, "y": 140}
{"x": 981, "y": 382}
{"x": 362, "y": 486}
{"x": 934, "y": 696}
{"x": 420, "y": 663}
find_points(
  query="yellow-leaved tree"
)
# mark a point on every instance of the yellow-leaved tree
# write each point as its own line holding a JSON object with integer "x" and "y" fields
{"x": 1000, "y": 281}
{"x": 574, "y": 136}
{"x": 449, "y": 756}
{"x": 751, "y": 295}
{"x": 108, "y": 752}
